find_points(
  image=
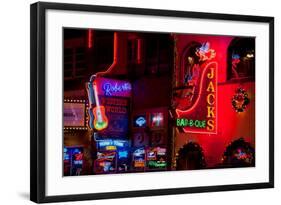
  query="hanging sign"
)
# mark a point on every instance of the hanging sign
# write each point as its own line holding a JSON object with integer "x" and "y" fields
{"x": 110, "y": 99}
{"x": 201, "y": 115}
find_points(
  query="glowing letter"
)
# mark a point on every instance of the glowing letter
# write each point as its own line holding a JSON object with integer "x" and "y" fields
{"x": 178, "y": 122}
{"x": 210, "y": 87}
{"x": 211, "y": 74}
{"x": 211, "y": 101}
{"x": 210, "y": 112}
{"x": 210, "y": 125}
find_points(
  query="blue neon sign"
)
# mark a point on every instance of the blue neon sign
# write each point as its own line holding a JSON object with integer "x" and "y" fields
{"x": 111, "y": 88}
{"x": 139, "y": 120}
{"x": 117, "y": 143}
{"x": 123, "y": 154}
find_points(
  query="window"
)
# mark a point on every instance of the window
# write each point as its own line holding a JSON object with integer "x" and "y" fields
{"x": 103, "y": 49}
{"x": 189, "y": 62}
{"x": 132, "y": 51}
{"x": 159, "y": 55}
{"x": 74, "y": 62}
{"x": 241, "y": 59}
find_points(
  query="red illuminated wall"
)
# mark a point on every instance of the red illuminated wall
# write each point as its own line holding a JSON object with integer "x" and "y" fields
{"x": 231, "y": 125}
{"x": 218, "y": 43}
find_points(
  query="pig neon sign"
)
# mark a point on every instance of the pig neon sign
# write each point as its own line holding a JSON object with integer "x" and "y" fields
{"x": 201, "y": 117}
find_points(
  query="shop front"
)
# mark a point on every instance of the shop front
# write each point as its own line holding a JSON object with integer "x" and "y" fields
{"x": 214, "y": 100}
{"x": 160, "y": 102}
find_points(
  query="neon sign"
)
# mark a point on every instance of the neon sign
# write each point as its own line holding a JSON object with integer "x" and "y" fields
{"x": 156, "y": 158}
{"x": 110, "y": 89}
{"x": 98, "y": 118}
{"x": 78, "y": 162}
{"x": 157, "y": 164}
{"x": 151, "y": 155}
{"x": 139, "y": 152}
{"x": 140, "y": 121}
{"x": 183, "y": 122}
{"x": 105, "y": 162}
{"x": 109, "y": 104}
{"x": 122, "y": 154}
{"x": 139, "y": 158}
{"x": 113, "y": 87}
{"x": 200, "y": 117}
{"x": 115, "y": 143}
{"x": 73, "y": 160}
{"x": 108, "y": 156}
{"x": 205, "y": 52}
{"x": 110, "y": 147}
{"x": 157, "y": 119}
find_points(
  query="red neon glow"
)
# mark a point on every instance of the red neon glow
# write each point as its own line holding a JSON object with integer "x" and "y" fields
{"x": 78, "y": 156}
{"x": 184, "y": 113}
{"x": 90, "y": 38}
{"x": 178, "y": 111}
{"x": 114, "y": 57}
{"x": 235, "y": 62}
{"x": 228, "y": 121}
{"x": 106, "y": 156}
{"x": 139, "y": 54}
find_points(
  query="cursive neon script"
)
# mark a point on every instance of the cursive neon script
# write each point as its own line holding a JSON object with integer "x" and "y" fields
{"x": 110, "y": 88}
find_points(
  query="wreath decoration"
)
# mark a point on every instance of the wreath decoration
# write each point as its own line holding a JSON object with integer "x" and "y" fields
{"x": 240, "y": 100}
{"x": 186, "y": 150}
{"x": 239, "y": 153}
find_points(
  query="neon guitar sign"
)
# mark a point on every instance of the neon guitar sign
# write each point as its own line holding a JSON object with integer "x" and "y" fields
{"x": 99, "y": 89}
{"x": 98, "y": 119}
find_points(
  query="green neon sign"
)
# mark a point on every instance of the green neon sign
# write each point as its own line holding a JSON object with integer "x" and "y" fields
{"x": 183, "y": 122}
{"x": 157, "y": 164}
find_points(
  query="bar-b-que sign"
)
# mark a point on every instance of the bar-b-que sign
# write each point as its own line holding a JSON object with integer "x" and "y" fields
{"x": 201, "y": 115}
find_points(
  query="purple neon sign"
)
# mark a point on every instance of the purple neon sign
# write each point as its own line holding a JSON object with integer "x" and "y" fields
{"x": 112, "y": 87}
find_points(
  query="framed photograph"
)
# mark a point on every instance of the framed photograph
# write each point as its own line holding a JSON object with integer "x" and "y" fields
{"x": 129, "y": 102}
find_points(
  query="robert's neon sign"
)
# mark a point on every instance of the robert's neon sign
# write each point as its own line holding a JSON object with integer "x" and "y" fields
{"x": 113, "y": 88}
{"x": 201, "y": 116}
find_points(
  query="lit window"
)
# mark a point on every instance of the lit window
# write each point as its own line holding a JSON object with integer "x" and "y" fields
{"x": 241, "y": 59}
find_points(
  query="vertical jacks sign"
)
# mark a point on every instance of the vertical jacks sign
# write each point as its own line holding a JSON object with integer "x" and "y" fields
{"x": 201, "y": 116}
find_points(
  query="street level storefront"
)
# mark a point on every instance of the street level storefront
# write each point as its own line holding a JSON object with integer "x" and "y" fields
{"x": 144, "y": 102}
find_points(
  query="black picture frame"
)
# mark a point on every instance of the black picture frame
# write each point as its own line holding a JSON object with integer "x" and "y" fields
{"x": 38, "y": 100}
